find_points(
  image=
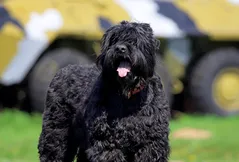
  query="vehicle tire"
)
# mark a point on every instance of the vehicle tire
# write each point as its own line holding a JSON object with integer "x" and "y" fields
{"x": 214, "y": 83}
{"x": 46, "y": 68}
{"x": 162, "y": 71}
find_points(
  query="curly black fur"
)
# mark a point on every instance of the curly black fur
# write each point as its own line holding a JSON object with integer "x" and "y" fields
{"x": 89, "y": 113}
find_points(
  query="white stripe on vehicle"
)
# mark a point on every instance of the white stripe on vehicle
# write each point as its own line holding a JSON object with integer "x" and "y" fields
{"x": 146, "y": 11}
{"x": 31, "y": 46}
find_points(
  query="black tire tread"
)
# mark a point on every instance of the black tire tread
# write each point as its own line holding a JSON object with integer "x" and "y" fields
{"x": 209, "y": 63}
{"x": 36, "y": 88}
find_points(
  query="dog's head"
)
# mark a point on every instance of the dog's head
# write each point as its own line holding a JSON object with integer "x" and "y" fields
{"x": 128, "y": 54}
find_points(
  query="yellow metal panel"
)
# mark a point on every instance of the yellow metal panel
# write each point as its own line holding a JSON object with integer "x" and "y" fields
{"x": 78, "y": 17}
{"x": 81, "y": 17}
{"x": 10, "y": 35}
{"x": 217, "y": 18}
{"x": 9, "y": 38}
{"x": 113, "y": 11}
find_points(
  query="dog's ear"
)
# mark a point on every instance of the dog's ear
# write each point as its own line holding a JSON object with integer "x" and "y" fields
{"x": 100, "y": 60}
{"x": 147, "y": 28}
{"x": 105, "y": 41}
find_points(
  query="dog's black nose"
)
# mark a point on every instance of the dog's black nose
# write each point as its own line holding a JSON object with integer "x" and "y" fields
{"x": 121, "y": 48}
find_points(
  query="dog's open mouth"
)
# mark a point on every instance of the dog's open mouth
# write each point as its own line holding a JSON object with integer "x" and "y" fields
{"x": 124, "y": 68}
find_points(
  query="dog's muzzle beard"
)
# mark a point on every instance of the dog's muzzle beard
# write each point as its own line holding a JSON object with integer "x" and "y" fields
{"x": 126, "y": 68}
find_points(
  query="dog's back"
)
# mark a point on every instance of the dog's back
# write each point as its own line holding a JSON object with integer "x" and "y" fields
{"x": 81, "y": 81}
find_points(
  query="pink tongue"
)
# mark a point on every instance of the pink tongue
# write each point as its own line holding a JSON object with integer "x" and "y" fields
{"x": 122, "y": 72}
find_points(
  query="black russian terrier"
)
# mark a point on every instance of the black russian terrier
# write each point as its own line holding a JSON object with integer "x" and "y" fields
{"x": 115, "y": 113}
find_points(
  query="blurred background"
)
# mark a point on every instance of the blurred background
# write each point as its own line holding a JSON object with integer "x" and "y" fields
{"x": 198, "y": 62}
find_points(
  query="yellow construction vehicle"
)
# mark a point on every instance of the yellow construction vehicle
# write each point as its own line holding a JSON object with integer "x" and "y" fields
{"x": 198, "y": 59}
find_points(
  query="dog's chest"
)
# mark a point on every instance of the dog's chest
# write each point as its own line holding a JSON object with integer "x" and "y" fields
{"x": 119, "y": 107}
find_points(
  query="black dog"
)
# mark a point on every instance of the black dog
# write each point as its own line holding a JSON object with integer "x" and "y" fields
{"x": 117, "y": 114}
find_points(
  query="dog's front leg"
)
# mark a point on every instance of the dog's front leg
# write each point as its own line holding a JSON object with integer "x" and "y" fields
{"x": 145, "y": 134}
{"x": 156, "y": 151}
{"x": 102, "y": 147}
{"x": 154, "y": 130}
{"x": 154, "y": 144}
{"x": 146, "y": 137}
{"x": 104, "y": 151}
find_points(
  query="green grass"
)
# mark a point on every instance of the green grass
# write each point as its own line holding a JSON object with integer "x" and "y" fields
{"x": 223, "y": 146}
{"x": 19, "y": 134}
